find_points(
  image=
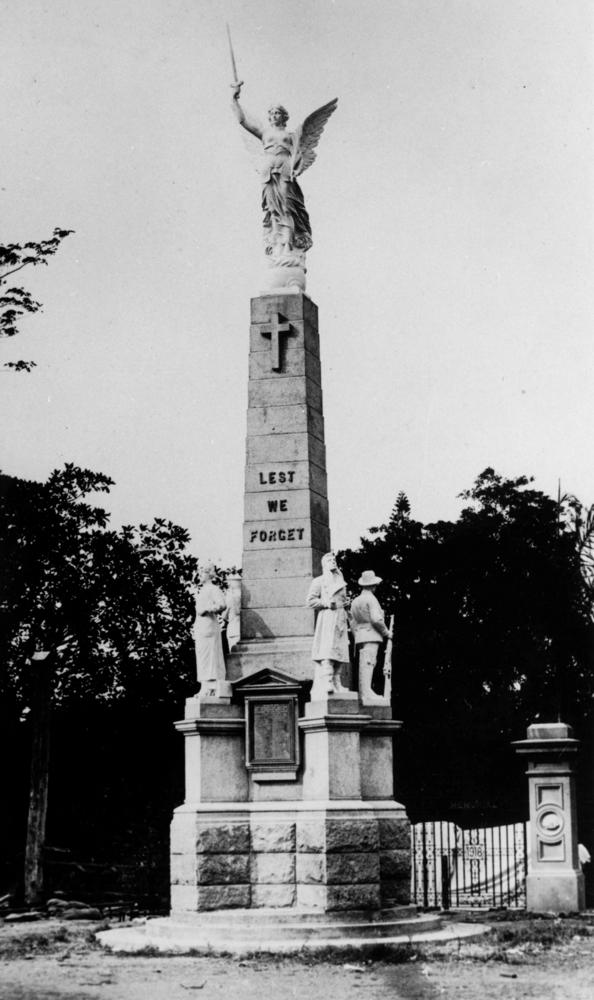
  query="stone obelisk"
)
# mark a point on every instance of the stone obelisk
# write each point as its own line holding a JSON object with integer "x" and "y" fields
{"x": 286, "y": 528}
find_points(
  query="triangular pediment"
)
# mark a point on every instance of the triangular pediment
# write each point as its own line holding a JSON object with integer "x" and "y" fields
{"x": 267, "y": 681}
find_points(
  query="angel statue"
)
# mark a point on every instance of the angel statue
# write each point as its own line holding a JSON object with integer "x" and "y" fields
{"x": 287, "y": 231}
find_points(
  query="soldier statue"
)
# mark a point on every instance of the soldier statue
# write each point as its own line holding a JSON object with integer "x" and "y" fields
{"x": 328, "y": 596}
{"x": 369, "y": 631}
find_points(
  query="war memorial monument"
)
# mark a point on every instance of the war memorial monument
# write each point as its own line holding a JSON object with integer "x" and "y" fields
{"x": 289, "y": 832}
{"x": 289, "y": 829}
{"x": 289, "y": 779}
{"x": 289, "y": 809}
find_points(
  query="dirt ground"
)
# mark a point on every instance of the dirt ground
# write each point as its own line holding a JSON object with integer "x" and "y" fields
{"x": 538, "y": 959}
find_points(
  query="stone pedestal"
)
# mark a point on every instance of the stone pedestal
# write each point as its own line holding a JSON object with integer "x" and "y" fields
{"x": 329, "y": 837}
{"x": 555, "y": 882}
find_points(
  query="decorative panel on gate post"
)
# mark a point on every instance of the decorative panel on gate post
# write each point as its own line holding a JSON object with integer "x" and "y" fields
{"x": 555, "y": 882}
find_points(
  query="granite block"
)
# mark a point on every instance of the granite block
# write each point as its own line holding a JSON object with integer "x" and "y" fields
{"x": 269, "y": 837}
{"x": 310, "y": 868}
{"x": 223, "y": 869}
{"x": 394, "y": 864}
{"x": 293, "y": 337}
{"x": 395, "y": 892}
{"x": 296, "y": 362}
{"x": 270, "y": 564}
{"x": 284, "y": 593}
{"x": 353, "y": 897}
{"x": 290, "y": 305}
{"x": 268, "y": 623}
{"x": 284, "y": 535}
{"x": 346, "y": 869}
{"x": 285, "y": 505}
{"x": 301, "y": 334}
{"x": 265, "y": 420}
{"x": 293, "y": 446}
{"x": 351, "y": 835}
{"x": 311, "y": 836}
{"x": 284, "y": 392}
{"x": 274, "y": 895}
{"x": 394, "y": 834}
{"x": 269, "y": 476}
{"x": 223, "y": 897}
{"x": 272, "y": 868}
{"x": 311, "y": 897}
{"x": 223, "y": 838}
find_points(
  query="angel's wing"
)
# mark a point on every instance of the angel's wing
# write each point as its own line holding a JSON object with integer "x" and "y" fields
{"x": 308, "y": 135}
{"x": 253, "y": 145}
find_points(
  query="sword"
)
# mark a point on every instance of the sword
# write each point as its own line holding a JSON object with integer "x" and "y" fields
{"x": 388, "y": 662}
{"x": 237, "y": 82}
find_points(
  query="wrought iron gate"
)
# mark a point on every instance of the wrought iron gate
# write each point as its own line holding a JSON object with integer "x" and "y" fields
{"x": 452, "y": 867}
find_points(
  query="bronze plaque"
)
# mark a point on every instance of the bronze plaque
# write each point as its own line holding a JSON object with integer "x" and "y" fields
{"x": 273, "y": 731}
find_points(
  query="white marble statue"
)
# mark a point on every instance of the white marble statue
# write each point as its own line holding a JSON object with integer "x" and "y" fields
{"x": 327, "y": 595}
{"x": 210, "y": 661}
{"x": 283, "y": 156}
{"x": 369, "y": 630}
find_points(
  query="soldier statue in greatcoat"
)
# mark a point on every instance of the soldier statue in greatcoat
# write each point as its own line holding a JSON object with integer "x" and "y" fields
{"x": 328, "y": 596}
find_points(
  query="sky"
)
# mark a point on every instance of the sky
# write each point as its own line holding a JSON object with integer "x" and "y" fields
{"x": 451, "y": 206}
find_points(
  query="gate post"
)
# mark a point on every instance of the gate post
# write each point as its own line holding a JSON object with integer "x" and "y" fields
{"x": 554, "y": 882}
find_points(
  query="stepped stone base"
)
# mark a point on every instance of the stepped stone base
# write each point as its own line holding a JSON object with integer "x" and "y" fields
{"x": 246, "y": 932}
{"x": 314, "y": 856}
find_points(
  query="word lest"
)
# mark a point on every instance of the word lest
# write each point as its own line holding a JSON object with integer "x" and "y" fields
{"x": 278, "y": 535}
{"x": 270, "y": 478}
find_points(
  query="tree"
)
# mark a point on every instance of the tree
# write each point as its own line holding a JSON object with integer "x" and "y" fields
{"x": 120, "y": 601}
{"x": 582, "y": 520}
{"x": 87, "y": 614}
{"x": 493, "y": 630}
{"x": 16, "y": 300}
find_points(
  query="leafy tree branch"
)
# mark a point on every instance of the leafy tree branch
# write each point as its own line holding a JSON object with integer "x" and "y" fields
{"x": 16, "y": 301}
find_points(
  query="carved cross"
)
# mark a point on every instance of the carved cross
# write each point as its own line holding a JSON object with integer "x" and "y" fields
{"x": 273, "y": 329}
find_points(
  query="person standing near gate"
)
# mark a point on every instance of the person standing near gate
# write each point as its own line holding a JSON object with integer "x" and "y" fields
{"x": 369, "y": 630}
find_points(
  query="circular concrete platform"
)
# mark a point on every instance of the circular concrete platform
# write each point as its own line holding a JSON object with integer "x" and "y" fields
{"x": 242, "y": 932}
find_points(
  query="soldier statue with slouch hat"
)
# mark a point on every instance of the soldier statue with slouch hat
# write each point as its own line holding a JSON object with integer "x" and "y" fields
{"x": 369, "y": 631}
